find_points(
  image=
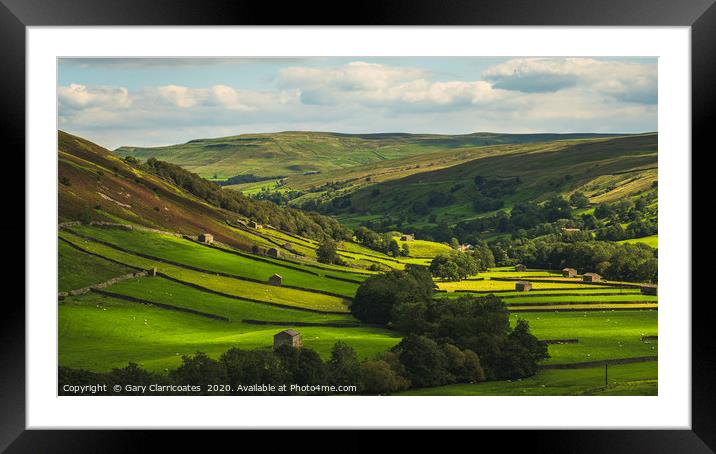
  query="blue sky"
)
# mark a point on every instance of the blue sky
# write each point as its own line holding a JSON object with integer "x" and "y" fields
{"x": 159, "y": 101}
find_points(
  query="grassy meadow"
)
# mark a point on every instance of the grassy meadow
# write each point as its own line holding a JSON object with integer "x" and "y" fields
{"x": 637, "y": 379}
{"x": 100, "y": 333}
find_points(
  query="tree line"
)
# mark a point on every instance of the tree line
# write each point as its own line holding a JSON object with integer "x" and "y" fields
{"x": 411, "y": 363}
{"x": 309, "y": 224}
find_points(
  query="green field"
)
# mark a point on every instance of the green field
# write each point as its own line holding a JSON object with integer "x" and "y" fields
{"x": 516, "y": 274}
{"x": 546, "y": 293}
{"x": 652, "y": 241}
{"x": 164, "y": 291}
{"x": 580, "y": 299}
{"x": 171, "y": 248}
{"x": 234, "y": 287}
{"x": 99, "y": 333}
{"x": 78, "y": 270}
{"x": 601, "y": 335}
{"x": 581, "y": 307}
{"x": 490, "y": 285}
{"x": 422, "y": 248}
{"x": 637, "y": 379}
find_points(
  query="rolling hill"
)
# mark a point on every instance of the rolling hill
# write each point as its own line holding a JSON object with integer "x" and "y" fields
{"x": 299, "y": 153}
{"x": 604, "y": 169}
{"x": 96, "y": 185}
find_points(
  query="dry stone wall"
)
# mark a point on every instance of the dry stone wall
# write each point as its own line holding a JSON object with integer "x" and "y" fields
{"x": 101, "y": 285}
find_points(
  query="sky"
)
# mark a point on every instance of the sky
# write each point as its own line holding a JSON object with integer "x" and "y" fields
{"x": 163, "y": 101}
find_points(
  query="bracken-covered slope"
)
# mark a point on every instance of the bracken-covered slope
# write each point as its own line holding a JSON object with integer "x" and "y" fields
{"x": 96, "y": 185}
{"x": 298, "y": 153}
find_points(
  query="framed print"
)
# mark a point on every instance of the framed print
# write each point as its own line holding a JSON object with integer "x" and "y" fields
{"x": 455, "y": 217}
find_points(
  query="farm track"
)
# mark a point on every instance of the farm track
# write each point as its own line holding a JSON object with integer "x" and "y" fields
{"x": 202, "y": 270}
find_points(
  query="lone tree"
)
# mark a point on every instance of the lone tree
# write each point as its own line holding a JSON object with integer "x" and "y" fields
{"x": 394, "y": 249}
{"x": 405, "y": 250}
{"x": 326, "y": 251}
{"x": 454, "y": 267}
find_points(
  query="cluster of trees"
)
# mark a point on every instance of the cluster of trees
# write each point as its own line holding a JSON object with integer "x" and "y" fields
{"x": 312, "y": 225}
{"x": 628, "y": 262}
{"x": 459, "y": 265}
{"x": 490, "y": 192}
{"x": 247, "y": 178}
{"x": 523, "y": 217}
{"x": 280, "y": 198}
{"x": 436, "y": 329}
{"x": 635, "y": 214}
{"x": 327, "y": 252}
{"x": 381, "y": 242}
{"x": 237, "y": 367}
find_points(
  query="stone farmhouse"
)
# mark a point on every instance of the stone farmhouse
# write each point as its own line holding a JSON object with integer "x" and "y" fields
{"x": 276, "y": 279}
{"x": 520, "y": 267}
{"x": 591, "y": 277}
{"x": 569, "y": 272}
{"x": 206, "y": 238}
{"x": 273, "y": 252}
{"x": 407, "y": 237}
{"x": 523, "y": 286}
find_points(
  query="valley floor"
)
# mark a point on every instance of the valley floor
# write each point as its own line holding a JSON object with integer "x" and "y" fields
{"x": 212, "y": 299}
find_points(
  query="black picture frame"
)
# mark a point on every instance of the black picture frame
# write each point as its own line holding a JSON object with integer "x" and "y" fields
{"x": 16, "y": 15}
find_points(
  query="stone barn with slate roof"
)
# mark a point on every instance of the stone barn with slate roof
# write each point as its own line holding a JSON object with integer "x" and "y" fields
{"x": 288, "y": 337}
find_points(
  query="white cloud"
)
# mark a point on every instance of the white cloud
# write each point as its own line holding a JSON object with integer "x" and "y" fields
{"x": 77, "y": 96}
{"x": 179, "y": 96}
{"x": 355, "y": 76}
{"x": 626, "y": 81}
{"x": 372, "y": 84}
